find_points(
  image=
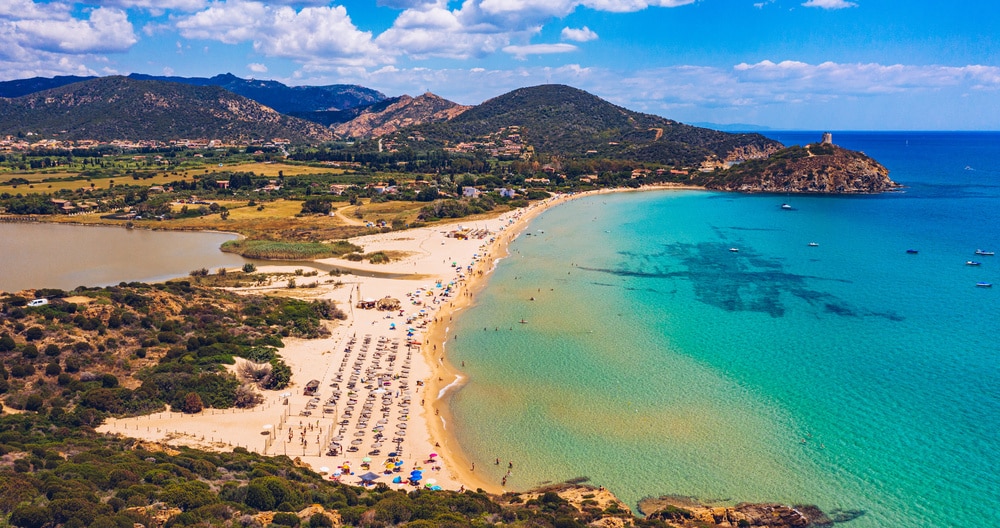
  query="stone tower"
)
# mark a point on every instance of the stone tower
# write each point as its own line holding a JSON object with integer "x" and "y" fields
{"x": 827, "y": 138}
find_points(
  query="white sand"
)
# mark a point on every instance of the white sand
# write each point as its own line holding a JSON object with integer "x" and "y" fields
{"x": 403, "y": 409}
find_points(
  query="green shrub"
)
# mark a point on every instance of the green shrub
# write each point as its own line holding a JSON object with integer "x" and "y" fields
{"x": 286, "y": 519}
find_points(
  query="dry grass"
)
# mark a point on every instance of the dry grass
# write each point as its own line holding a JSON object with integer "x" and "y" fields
{"x": 99, "y": 183}
{"x": 160, "y": 176}
{"x": 263, "y": 169}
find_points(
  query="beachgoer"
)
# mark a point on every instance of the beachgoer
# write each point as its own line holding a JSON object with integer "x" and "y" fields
{"x": 498, "y": 462}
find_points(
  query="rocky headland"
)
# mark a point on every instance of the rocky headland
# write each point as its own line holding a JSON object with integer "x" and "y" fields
{"x": 820, "y": 168}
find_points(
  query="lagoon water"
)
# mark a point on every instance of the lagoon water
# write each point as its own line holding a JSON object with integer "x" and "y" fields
{"x": 850, "y": 374}
{"x": 65, "y": 256}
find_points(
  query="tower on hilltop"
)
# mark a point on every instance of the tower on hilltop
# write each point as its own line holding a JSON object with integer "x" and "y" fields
{"x": 827, "y": 138}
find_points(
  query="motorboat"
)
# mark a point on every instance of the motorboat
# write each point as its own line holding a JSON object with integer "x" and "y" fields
{"x": 813, "y": 244}
{"x": 984, "y": 284}
{"x": 972, "y": 263}
{"x": 912, "y": 251}
{"x": 786, "y": 207}
{"x": 734, "y": 250}
{"x": 985, "y": 253}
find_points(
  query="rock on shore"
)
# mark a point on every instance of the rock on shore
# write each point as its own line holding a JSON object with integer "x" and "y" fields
{"x": 684, "y": 512}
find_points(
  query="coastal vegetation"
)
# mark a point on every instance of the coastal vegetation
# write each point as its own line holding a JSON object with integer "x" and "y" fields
{"x": 137, "y": 348}
{"x": 270, "y": 249}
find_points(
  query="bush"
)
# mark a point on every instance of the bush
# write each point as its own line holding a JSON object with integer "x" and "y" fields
{"x": 259, "y": 497}
{"x": 33, "y": 403}
{"x": 319, "y": 520}
{"x": 192, "y": 403}
{"x": 286, "y": 519}
{"x": 52, "y": 350}
{"x": 28, "y": 516}
{"x": 29, "y": 352}
{"x": 53, "y": 369}
{"x": 34, "y": 333}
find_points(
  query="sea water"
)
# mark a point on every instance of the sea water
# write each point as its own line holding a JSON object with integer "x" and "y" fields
{"x": 849, "y": 374}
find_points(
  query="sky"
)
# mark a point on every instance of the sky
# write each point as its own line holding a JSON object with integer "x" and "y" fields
{"x": 783, "y": 64}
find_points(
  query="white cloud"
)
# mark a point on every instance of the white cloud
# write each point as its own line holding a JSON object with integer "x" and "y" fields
{"x": 583, "y": 34}
{"x": 257, "y": 67}
{"x": 830, "y": 78}
{"x": 106, "y": 30}
{"x": 480, "y": 27}
{"x": 312, "y": 34}
{"x": 157, "y": 6}
{"x": 538, "y": 49}
{"x": 29, "y": 10}
{"x": 830, "y": 4}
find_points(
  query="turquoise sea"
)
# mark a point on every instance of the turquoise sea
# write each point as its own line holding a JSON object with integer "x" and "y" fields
{"x": 851, "y": 374}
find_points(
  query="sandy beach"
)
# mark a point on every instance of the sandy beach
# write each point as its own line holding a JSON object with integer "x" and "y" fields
{"x": 382, "y": 377}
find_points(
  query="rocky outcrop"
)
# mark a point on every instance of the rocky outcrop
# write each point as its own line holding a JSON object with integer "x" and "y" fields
{"x": 684, "y": 512}
{"x": 817, "y": 168}
{"x": 380, "y": 120}
{"x": 751, "y": 151}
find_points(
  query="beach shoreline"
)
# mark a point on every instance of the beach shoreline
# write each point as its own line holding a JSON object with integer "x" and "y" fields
{"x": 440, "y": 276}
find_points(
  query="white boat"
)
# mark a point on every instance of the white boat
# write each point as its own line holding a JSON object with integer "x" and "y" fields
{"x": 984, "y": 284}
{"x": 734, "y": 250}
{"x": 786, "y": 206}
{"x": 813, "y": 244}
{"x": 985, "y": 253}
{"x": 972, "y": 263}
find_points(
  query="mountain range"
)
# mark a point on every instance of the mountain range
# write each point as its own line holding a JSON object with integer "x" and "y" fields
{"x": 110, "y": 108}
{"x": 284, "y": 99}
{"x": 556, "y": 119}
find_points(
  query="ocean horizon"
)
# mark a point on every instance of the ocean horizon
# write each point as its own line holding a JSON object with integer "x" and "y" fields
{"x": 819, "y": 363}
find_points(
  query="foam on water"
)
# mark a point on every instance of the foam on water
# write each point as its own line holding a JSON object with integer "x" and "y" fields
{"x": 850, "y": 374}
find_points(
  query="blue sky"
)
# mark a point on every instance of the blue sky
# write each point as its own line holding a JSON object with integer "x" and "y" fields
{"x": 787, "y": 64}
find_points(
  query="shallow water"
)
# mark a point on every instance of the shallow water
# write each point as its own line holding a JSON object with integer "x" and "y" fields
{"x": 851, "y": 374}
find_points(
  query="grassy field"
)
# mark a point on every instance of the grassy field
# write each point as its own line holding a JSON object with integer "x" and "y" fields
{"x": 98, "y": 183}
{"x": 263, "y": 169}
{"x": 160, "y": 177}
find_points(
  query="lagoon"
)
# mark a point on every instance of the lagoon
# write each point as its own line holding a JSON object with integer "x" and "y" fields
{"x": 38, "y": 255}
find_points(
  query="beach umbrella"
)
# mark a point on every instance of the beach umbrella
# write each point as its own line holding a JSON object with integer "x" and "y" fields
{"x": 397, "y": 480}
{"x": 432, "y": 455}
{"x": 369, "y": 477}
{"x": 366, "y": 459}
{"x": 430, "y": 482}
{"x": 324, "y": 469}
{"x": 398, "y": 463}
{"x": 436, "y": 488}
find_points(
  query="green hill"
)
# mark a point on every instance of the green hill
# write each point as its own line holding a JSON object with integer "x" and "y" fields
{"x": 110, "y": 108}
{"x": 567, "y": 122}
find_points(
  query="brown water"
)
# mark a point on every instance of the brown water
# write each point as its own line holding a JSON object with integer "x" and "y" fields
{"x": 62, "y": 256}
